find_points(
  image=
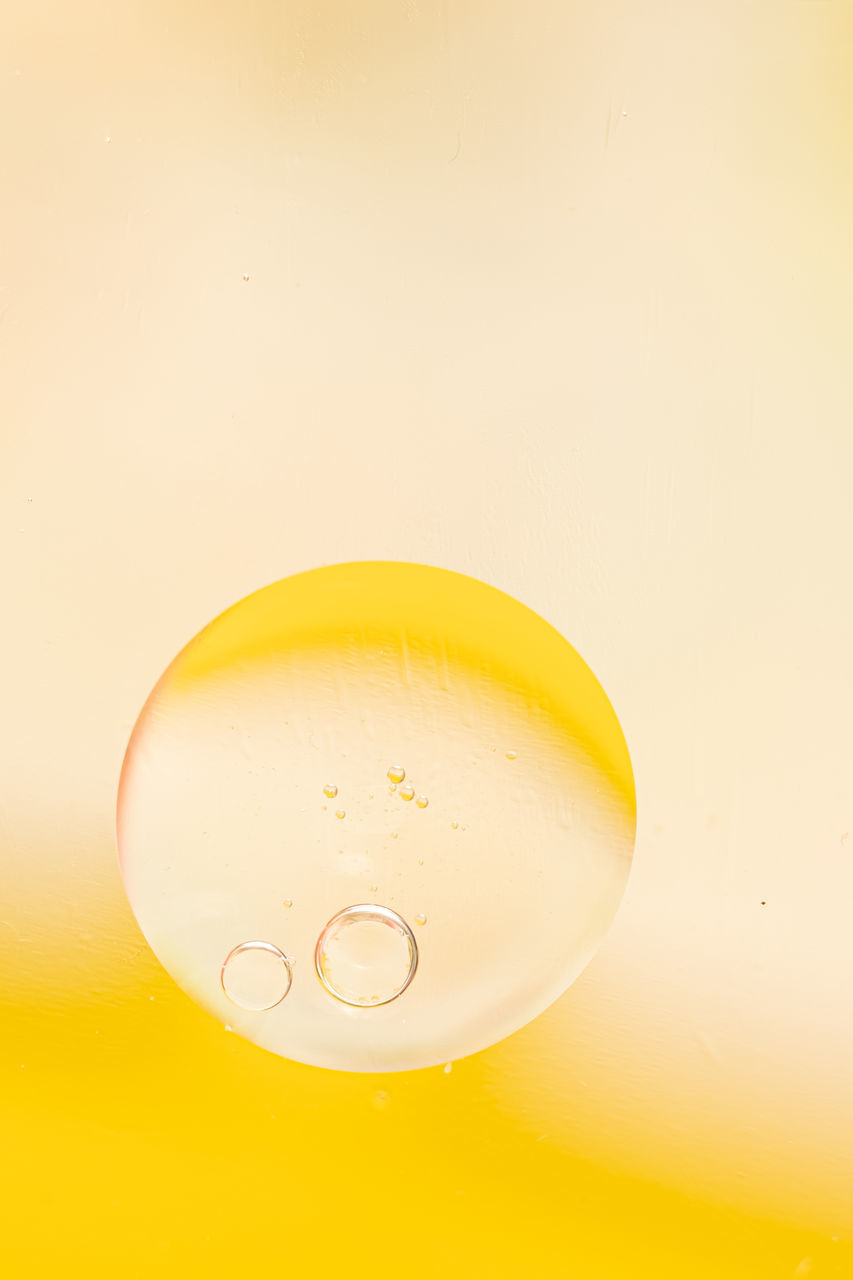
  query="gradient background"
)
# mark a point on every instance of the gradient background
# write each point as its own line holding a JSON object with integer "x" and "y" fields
{"x": 558, "y": 295}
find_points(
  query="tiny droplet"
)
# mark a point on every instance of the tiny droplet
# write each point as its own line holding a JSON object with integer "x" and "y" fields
{"x": 407, "y": 792}
{"x": 448, "y": 1067}
{"x": 340, "y": 813}
{"x": 422, "y": 802}
{"x": 245, "y": 275}
{"x": 288, "y": 902}
{"x": 374, "y": 888}
{"x": 330, "y": 790}
{"x": 396, "y": 773}
{"x": 394, "y": 835}
{"x": 420, "y": 918}
{"x": 455, "y": 826}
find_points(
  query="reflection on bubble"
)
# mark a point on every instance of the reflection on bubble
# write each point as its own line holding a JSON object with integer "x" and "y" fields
{"x": 256, "y": 975}
{"x": 366, "y": 956}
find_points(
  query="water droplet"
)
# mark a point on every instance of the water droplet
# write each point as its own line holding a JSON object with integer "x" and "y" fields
{"x": 330, "y": 790}
{"x": 420, "y": 918}
{"x": 448, "y": 1067}
{"x": 340, "y": 813}
{"x": 366, "y": 955}
{"x": 396, "y": 773}
{"x": 407, "y": 792}
{"x": 510, "y": 755}
{"x": 256, "y": 975}
{"x": 422, "y": 802}
{"x": 455, "y": 826}
{"x": 288, "y": 902}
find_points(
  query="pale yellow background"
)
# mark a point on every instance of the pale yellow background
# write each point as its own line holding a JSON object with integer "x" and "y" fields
{"x": 554, "y": 294}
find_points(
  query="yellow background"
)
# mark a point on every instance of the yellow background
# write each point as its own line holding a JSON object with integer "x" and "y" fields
{"x": 557, "y": 295}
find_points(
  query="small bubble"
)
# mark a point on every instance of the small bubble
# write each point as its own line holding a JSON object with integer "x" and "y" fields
{"x": 340, "y": 813}
{"x": 455, "y": 826}
{"x": 624, "y": 113}
{"x": 420, "y": 918}
{"x": 245, "y": 275}
{"x": 228, "y": 1026}
{"x": 108, "y": 138}
{"x": 448, "y": 1067}
{"x": 422, "y": 802}
{"x": 366, "y": 955}
{"x": 256, "y": 975}
{"x": 510, "y": 755}
{"x": 288, "y": 902}
{"x": 330, "y": 790}
{"x": 407, "y": 792}
{"x": 396, "y": 773}
{"x": 374, "y": 888}
{"x": 845, "y": 836}
{"x": 394, "y": 835}
{"x": 381, "y": 1100}
{"x": 392, "y": 788}
{"x": 420, "y": 862}
{"x": 805, "y": 1267}
{"x": 150, "y": 997}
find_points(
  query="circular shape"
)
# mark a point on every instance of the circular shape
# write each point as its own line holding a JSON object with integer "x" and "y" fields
{"x": 333, "y": 678}
{"x": 366, "y": 956}
{"x": 396, "y": 773}
{"x": 256, "y": 975}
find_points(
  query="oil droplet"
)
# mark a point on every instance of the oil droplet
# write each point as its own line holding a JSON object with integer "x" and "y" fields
{"x": 330, "y": 790}
{"x": 256, "y": 975}
{"x": 407, "y": 792}
{"x": 448, "y": 1067}
{"x": 396, "y": 773}
{"x": 510, "y": 755}
{"x": 288, "y": 902}
{"x": 420, "y": 918}
{"x": 340, "y": 813}
{"x": 366, "y": 956}
{"x": 422, "y": 802}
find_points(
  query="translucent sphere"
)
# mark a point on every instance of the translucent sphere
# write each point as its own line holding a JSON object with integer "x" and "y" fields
{"x": 288, "y": 883}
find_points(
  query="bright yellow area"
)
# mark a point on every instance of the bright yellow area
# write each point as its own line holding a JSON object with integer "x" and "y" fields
{"x": 413, "y": 605}
{"x": 142, "y": 1139}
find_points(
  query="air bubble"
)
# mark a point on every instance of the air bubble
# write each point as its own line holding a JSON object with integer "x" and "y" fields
{"x": 511, "y": 755}
{"x": 340, "y": 813}
{"x": 366, "y": 956}
{"x": 448, "y": 1067}
{"x": 288, "y": 902}
{"x": 407, "y": 792}
{"x": 330, "y": 790}
{"x": 396, "y": 773}
{"x": 420, "y": 918}
{"x": 256, "y": 975}
{"x": 455, "y": 826}
{"x": 422, "y": 802}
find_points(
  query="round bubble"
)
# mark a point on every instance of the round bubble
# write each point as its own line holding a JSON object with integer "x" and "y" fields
{"x": 334, "y": 684}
